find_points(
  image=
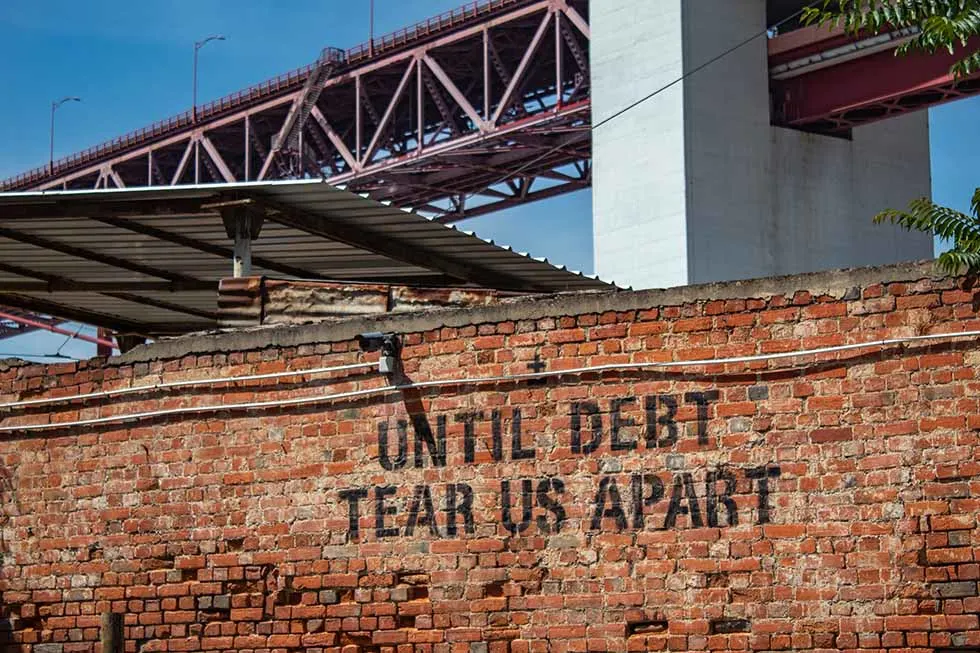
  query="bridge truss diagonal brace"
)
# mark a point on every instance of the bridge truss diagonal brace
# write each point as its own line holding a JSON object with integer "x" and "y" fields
{"x": 335, "y": 139}
{"x": 518, "y": 79}
{"x": 389, "y": 113}
{"x": 216, "y": 158}
{"x": 575, "y": 18}
{"x": 456, "y": 94}
{"x": 182, "y": 166}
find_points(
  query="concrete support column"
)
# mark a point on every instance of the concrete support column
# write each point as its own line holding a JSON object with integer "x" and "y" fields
{"x": 696, "y": 186}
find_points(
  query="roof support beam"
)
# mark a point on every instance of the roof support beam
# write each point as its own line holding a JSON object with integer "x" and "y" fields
{"x": 324, "y": 227}
{"x": 89, "y": 255}
{"x": 51, "y": 283}
{"x": 63, "y": 285}
{"x": 165, "y": 305}
{"x": 207, "y": 248}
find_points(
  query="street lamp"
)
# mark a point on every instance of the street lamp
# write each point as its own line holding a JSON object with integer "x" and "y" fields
{"x": 54, "y": 107}
{"x": 197, "y": 46}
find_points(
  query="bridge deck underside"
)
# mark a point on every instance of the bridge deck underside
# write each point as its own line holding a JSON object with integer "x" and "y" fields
{"x": 473, "y": 121}
{"x": 481, "y": 112}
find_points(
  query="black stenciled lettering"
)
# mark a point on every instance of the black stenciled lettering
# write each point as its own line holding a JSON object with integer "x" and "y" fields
{"x": 723, "y": 475}
{"x": 421, "y": 501}
{"x": 667, "y": 420}
{"x": 517, "y": 450}
{"x": 591, "y": 410}
{"x": 435, "y": 444}
{"x": 702, "y": 399}
{"x": 608, "y": 488}
{"x": 650, "y": 408}
{"x": 469, "y": 434}
{"x": 619, "y": 422}
{"x": 496, "y": 428}
{"x": 381, "y": 510}
{"x": 762, "y": 475}
{"x": 387, "y": 462}
{"x": 527, "y": 491}
{"x": 353, "y": 498}
{"x": 683, "y": 489}
{"x": 656, "y": 492}
{"x": 459, "y": 501}
{"x": 550, "y": 504}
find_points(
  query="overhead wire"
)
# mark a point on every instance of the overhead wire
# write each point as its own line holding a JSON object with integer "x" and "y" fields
{"x": 57, "y": 353}
{"x": 796, "y": 14}
{"x": 400, "y": 387}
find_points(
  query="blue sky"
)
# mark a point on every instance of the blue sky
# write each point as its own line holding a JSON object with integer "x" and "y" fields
{"x": 131, "y": 63}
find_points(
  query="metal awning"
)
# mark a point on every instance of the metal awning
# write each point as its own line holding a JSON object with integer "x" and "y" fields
{"x": 148, "y": 260}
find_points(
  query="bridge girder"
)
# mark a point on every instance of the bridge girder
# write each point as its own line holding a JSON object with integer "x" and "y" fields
{"x": 395, "y": 125}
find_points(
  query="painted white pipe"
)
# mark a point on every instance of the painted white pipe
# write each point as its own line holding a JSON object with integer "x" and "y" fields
{"x": 185, "y": 384}
{"x": 381, "y": 390}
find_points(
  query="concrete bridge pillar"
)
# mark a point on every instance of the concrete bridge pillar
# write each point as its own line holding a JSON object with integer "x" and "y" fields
{"x": 696, "y": 186}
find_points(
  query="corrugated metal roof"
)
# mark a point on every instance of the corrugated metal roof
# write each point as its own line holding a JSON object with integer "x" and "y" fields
{"x": 148, "y": 260}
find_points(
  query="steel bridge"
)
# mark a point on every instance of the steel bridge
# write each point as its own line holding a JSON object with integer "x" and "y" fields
{"x": 472, "y": 111}
{"x": 475, "y": 110}
{"x": 466, "y": 103}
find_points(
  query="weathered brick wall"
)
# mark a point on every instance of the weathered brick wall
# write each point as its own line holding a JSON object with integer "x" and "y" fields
{"x": 827, "y": 502}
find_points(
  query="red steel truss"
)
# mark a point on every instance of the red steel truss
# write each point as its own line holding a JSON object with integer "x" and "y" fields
{"x": 826, "y": 82}
{"x": 15, "y": 322}
{"x": 472, "y": 111}
{"x": 452, "y": 117}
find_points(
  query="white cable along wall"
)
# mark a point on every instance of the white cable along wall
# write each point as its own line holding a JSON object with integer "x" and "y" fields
{"x": 317, "y": 371}
{"x": 393, "y": 388}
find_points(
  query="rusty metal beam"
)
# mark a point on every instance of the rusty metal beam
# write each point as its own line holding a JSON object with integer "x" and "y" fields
{"x": 47, "y": 325}
{"x": 117, "y": 323}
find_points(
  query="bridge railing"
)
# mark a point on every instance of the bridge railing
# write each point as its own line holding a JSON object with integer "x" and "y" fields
{"x": 446, "y": 20}
{"x": 270, "y": 87}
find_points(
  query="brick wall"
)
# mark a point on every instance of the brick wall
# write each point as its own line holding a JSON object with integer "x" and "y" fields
{"x": 827, "y": 502}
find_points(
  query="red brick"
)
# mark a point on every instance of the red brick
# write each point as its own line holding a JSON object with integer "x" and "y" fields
{"x": 226, "y": 531}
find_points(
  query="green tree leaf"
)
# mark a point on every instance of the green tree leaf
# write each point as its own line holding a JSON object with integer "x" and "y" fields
{"x": 939, "y": 25}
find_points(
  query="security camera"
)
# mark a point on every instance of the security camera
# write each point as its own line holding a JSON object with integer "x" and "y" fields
{"x": 387, "y": 344}
{"x": 373, "y": 341}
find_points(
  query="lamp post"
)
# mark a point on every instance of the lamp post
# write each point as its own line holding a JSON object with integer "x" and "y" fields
{"x": 54, "y": 107}
{"x": 371, "y": 32}
{"x": 197, "y": 46}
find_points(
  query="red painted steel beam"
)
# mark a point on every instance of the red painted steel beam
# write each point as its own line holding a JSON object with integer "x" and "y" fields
{"x": 804, "y": 42}
{"x": 39, "y": 324}
{"x": 867, "y": 89}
